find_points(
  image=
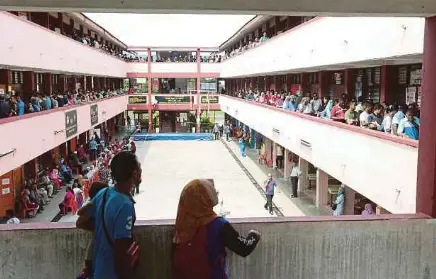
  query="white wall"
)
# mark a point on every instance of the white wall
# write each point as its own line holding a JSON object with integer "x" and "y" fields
{"x": 137, "y": 67}
{"x": 163, "y": 67}
{"x": 26, "y": 44}
{"x": 383, "y": 171}
{"x": 210, "y": 67}
{"x": 329, "y": 41}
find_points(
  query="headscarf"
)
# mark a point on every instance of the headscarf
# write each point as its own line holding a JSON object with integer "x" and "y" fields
{"x": 368, "y": 210}
{"x": 195, "y": 209}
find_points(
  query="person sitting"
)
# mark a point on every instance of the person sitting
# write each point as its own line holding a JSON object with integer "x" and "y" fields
{"x": 198, "y": 226}
{"x": 69, "y": 196}
{"x": 28, "y": 204}
{"x": 65, "y": 172}
{"x": 54, "y": 177}
{"x": 337, "y": 112}
{"x": 47, "y": 184}
{"x": 12, "y": 219}
{"x": 35, "y": 197}
{"x": 81, "y": 153}
{"x": 351, "y": 114}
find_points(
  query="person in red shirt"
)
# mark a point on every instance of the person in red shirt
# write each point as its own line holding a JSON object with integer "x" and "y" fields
{"x": 338, "y": 111}
{"x": 267, "y": 97}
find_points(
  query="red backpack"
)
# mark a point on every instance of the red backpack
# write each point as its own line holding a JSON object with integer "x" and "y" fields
{"x": 191, "y": 259}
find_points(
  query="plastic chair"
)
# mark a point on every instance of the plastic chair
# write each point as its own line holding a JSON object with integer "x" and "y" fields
{"x": 25, "y": 210}
{"x": 262, "y": 158}
{"x": 72, "y": 205}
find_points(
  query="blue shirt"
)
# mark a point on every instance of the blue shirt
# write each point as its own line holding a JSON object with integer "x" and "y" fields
{"x": 93, "y": 145}
{"x": 406, "y": 127}
{"x": 119, "y": 219}
{"x": 20, "y": 107}
{"x": 270, "y": 184}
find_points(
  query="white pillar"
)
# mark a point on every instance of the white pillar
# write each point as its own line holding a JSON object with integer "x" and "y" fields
{"x": 322, "y": 185}
{"x": 380, "y": 210}
{"x": 350, "y": 196}
{"x": 274, "y": 155}
{"x": 304, "y": 168}
{"x": 287, "y": 164}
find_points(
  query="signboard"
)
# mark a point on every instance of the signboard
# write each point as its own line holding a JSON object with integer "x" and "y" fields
{"x": 410, "y": 95}
{"x": 174, "y": 99}
{"x": 209, "y": 99}
{"x": 70, "y": 123}
{"x": 137, "y": 100}
{"x": 94, "y": 114}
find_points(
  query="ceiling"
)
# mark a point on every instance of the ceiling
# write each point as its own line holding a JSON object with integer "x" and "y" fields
{"x": 271, "y": 7}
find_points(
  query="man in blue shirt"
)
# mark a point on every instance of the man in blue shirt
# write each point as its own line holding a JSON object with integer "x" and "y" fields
{"x": 409, "y": 126}
{"x": 115, "y": 207}
{"x": 270, "y": 184}
{"x": 93, "y": 149}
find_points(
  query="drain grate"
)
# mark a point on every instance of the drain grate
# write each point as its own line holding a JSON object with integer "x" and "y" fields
{"x": 276, "y": 210}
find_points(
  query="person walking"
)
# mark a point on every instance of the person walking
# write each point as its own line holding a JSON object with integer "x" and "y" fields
{"x": 270, "y": 184}
{"x": 295, "y": 174}
{"x": 243, "y": 141}
{"x": 216, "y": 131}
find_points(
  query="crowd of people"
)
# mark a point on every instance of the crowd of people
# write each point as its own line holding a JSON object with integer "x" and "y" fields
{"x": 212, "y": 58}
{"x": 401, "y": 120}
{"x": 14, "y": 105}
{"x": 246, "y": 45}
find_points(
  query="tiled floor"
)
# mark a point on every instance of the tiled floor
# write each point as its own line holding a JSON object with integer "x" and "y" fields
{"x": 301, "y": 206}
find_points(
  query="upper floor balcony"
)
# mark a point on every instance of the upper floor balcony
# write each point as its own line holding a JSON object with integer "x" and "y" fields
{"x": 378, "y": 247}
{"x": 380, "y": 166}
{"x": 174, "y": 102}
{"x": 37, "y": 48}
{"x": 333, "y": 43}
{"x": 28, "y": 136}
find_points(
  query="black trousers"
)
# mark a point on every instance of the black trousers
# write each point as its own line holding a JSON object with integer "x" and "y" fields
{"x": 227, "y": 136}
{"x": 279, "y": 162}
{"x": 269, "y": 204}
{"x": 294, "y": 184}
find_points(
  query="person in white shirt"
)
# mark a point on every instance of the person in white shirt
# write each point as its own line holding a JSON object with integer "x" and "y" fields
{"x": 11, "y": 217}
{"x": 398, "y": 116}
{"x": 279, "y": 157}
{"x": 316, "y": 103}
{"x": 364, "y": 117}
{"x": 295, "y": 174}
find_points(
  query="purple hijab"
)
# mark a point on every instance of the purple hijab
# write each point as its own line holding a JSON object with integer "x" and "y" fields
{"x": 368, "y": 210}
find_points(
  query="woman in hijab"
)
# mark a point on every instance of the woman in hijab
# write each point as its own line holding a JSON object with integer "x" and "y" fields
{"x": 326, "y": 113}
{"x": 340, "y": 200}
{"x": 368, "y": 210}
{"x": 201, "y": 236}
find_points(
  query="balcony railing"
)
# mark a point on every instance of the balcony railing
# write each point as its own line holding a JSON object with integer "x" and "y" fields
{"x": 379, "y": 247}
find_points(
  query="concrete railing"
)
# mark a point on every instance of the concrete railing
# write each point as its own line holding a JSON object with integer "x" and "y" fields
{"x": 315, "y": 248}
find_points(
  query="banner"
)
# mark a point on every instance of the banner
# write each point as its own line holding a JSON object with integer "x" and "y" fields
{"x": 174, "y": 99}
{"x": 94, "y": 114}
{"x": 70, "y": 123}
{"x": 212, "y": 99}
{"x": 133, "y": 100}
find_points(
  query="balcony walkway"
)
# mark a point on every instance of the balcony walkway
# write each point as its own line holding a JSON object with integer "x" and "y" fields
{"x": 301, "y": 206}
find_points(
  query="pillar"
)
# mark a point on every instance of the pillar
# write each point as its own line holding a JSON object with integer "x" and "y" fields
{"x": 324, "y": 82}
{"x": 48, "y": 84}
{"x": 350, "y": 196}
{"x": 287, "y": 163}
{"x": 426, "y": 182}
{"x": 322, "y": 186}
{"x": 380, "y": 210}
{"x": 150, "y": 110}
{"x": 28, "y": 85}
{"x": 388, "y": 79}
{"x": 304, "y": 80}
{"x": 197, "y": 126}
{"x": 304, "y": 168}
{"x": 350, "y": 82}
{"x": 61, "y": 83}
{"x": 274, "y": 155}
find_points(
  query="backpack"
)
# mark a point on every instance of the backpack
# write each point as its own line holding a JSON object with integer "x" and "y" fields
{"x": 191, "y": 259}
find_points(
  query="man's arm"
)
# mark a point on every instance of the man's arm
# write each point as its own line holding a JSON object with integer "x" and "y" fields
{"x": 85, "y": 220}
{"x": 122, "y": 241}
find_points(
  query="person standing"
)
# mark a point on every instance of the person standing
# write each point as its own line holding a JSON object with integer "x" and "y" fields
{"x": 112, "y": 220}
{"x": 279, "y": 157}
{"x": 270, "y": 184}
{"x": 295, "y": 175}
{"x": 93, "y": 149}
{"x": 216, "y": 131}
{"x": 227, "y": 130}
{"x": 339, "y": 203}
{"x": 243, "y": 144}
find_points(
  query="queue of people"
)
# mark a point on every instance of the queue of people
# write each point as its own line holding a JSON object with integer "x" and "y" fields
{"x": 400, "y": 120}
{"x": 246, "y": 45}
{"x": 14, "y": 105}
